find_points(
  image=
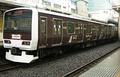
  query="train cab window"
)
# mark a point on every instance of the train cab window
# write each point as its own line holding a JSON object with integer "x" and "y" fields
{"x": 19, "y": 21}
{"x": 70, "y": 28}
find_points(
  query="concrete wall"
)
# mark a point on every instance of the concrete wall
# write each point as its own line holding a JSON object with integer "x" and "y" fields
{"x": 1, "y": 22}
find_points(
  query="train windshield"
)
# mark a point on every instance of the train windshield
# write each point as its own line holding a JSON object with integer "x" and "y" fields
{"x": 18, "y": 21}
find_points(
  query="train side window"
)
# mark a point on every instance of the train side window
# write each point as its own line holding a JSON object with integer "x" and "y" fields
{"x": 70, "y": 28}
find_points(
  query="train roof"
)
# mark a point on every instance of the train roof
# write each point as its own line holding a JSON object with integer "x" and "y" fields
{"x": 69, "y": 16}
{"x": 60, "y": 14}
{"x": 111, "y": 24}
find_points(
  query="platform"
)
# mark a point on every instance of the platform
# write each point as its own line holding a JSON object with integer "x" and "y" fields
{"x": 110, "y": 67}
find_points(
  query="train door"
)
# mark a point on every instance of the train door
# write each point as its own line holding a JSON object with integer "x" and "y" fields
{"x": 97, "y": 31}
{"x": 94, "y": 32}
{"x": 43, "y": 24}
{"x": 57, "y": 31}
{"x": 88, "y": 31}
{"x": 104, "y": 31}
{"x": 80, "y": 31}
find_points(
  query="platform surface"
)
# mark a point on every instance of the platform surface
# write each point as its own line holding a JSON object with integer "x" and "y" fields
{"x": 110, "y": 67}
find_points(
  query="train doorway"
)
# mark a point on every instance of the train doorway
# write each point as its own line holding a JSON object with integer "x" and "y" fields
{"x": 43, "y": 37}
{"x": 57, "y": 31}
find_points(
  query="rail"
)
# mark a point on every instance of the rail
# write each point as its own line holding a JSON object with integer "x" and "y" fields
{"x": 10, "y": 66}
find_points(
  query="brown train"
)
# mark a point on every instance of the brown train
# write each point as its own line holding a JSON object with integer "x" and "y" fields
{"x": 31, "y": 33}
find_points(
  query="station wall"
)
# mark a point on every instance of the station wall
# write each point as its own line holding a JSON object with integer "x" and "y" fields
{"x": 1, "y": 22}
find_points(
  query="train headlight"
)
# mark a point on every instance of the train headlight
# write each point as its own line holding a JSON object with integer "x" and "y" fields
{"x": 25, "y": 43}
{"x": 7, "y": 41}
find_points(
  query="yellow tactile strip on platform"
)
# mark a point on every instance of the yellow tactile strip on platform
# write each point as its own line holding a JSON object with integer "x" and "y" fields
{"x": 118, "y": 74}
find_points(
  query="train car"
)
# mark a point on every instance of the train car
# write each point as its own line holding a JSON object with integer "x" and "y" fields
{"x": 31, "y": 33}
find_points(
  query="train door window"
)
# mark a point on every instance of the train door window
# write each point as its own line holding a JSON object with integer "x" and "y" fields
{"x": 108, "y": 30}
{"x": 104, "y": 29}
{"x": 82, "y": 26}
{"x": 112, "y": 31}
{"x": 88, "y": 29}
{"x": 100, "y": 28}
{"x": 54, "y": 26}
{"x": 59, "y": 26}
{"x": 79, "y": 27}
{"x": 43, "y": 24}
{"x": 70, "y": 28}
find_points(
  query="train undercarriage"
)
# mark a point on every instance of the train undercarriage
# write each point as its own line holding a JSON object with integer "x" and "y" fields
{"x": 17, "y": 55}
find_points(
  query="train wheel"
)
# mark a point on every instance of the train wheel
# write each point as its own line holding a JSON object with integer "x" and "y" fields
{"x": 41, "y": 53}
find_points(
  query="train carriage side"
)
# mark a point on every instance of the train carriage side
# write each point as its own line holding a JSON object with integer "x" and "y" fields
{"x": 59, "y": 30}
{"x": 112, "y": 32}
{"x": 45, "y": 32}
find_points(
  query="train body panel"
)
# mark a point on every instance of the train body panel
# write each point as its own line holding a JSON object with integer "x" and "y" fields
{"x": 39, "y": 30}
{"x": 23, "y": 58}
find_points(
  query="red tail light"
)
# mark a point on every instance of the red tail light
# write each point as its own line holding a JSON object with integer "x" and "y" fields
{"x": 25, "y": 43}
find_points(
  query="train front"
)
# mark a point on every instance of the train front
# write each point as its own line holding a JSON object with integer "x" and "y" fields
{"x": 18, "y": 35}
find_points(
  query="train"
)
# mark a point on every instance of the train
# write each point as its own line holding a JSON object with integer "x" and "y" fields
{"x": 32, "y": 33}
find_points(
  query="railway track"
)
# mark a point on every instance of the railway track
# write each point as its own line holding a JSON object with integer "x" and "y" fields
{"x": 10, "y": 66}
{"x": 63, "y": 65}
{"x": 84, "y": 68}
